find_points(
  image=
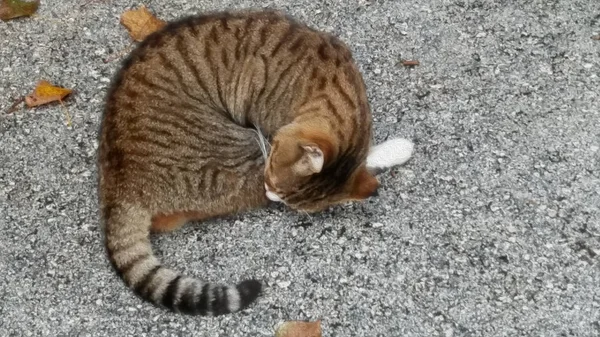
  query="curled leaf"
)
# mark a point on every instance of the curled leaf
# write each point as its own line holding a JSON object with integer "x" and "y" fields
{"x": 299, "y": 329}
{"x": 11, "y": 9}
{"x": 140, "y": 23}
{"x": 410, "y": 63}
{"x": 45, "y": 93}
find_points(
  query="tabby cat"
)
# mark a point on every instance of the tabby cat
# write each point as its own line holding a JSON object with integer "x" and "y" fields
{"x": 179, "y": 143}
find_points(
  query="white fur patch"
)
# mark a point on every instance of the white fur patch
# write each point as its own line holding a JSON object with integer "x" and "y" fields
{"x": 390, "y": 153}
{"x": 272, "y": 196}
{"x": 233, "y": 299}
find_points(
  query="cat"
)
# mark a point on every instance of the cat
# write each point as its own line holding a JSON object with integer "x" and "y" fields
{"x": 178, "y": 140}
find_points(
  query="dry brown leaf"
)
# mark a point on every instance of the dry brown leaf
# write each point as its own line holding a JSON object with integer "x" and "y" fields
{"x": 299, "y": 329}
{"x": 140, "y": 23}
{"x": 45, "y": 93}
{"x": 410, "y": 63}
{"x": 12, "y": 9}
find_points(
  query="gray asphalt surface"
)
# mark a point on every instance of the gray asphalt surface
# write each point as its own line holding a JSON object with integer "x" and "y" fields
{"x": 492, "y": 229}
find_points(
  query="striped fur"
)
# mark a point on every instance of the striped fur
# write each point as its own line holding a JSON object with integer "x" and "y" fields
{"x": 178, "y": 140}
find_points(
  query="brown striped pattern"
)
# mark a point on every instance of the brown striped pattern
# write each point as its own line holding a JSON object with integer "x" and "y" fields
{"x": 177, "y": 141}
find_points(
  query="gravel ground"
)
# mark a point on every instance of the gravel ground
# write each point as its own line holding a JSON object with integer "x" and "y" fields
{"x": 492, "y": 229}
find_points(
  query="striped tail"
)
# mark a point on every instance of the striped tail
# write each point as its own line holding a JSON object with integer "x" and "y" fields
{"x": 127, "y": 235}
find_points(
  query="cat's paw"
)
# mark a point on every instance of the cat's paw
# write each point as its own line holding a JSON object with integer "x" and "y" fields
{"x": 388, "y": 154}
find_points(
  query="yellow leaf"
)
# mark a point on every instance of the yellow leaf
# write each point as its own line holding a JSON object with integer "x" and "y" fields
{"x": 45, "y": 93}
{"x": 299, "y": 329}
{"x": 11, "y": 9}
{"x": 141, "y": 23}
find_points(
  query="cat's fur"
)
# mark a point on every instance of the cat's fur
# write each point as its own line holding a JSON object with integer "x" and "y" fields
{"x": 178, "y": 140}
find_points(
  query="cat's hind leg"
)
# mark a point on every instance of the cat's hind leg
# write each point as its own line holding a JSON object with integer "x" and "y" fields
{"x": 388, "y": 154}
{"x": 162, "y": 223}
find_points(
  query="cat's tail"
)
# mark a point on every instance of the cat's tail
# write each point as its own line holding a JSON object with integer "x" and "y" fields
{"x": 127, "y": 237}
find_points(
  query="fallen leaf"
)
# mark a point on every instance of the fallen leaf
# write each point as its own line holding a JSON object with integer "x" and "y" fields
{"x": 140, "y": 23}
{"x": 45, "y": 93}
{"x": 299, "y": 329}
{"x": 410, "y": 63}
{"x": 11, "y": 9}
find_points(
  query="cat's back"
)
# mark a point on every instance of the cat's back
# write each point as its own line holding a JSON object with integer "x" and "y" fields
{"x": 224, "y": 60}
{"x": 196, "y": 50}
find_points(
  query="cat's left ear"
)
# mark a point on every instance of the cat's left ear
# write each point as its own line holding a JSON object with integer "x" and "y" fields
{"x": 316, "y": 150}
{"x": 364, "y": 185}
{"x": 311, "y": 161}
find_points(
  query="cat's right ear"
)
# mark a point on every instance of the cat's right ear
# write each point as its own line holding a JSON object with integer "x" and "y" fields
{"x": 311, "y": 161}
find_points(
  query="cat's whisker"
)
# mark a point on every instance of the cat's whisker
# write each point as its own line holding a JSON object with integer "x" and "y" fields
{"x": 308, "y": 215}
{"x": 263, "y": 142}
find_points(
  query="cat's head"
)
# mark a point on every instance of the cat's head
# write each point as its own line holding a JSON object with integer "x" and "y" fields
{"x": 306, "y": 171}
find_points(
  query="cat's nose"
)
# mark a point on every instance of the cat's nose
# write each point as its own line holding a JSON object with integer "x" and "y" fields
{"x": 375, "y": 193}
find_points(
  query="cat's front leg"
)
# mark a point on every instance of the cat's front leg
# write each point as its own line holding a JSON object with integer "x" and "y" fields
{"x": 388, "y": 154}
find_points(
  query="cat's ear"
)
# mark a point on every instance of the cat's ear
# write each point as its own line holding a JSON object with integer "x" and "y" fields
{"x": 364, "y": 185}
{"x": 311, "y": 161}
{"x": 316, "y": 149}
